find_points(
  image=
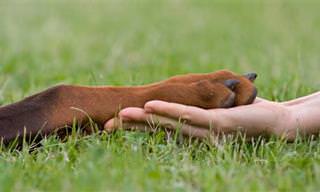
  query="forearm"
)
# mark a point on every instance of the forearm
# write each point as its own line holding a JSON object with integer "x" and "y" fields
{"x": 302, "y": 100}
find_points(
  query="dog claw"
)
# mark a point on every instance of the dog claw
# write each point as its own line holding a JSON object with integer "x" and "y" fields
{"x": 251, "y": 76}
{"x": 231, "y": 83}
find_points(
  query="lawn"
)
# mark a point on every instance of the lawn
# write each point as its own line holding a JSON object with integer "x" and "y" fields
{"x": 43, "y": 43}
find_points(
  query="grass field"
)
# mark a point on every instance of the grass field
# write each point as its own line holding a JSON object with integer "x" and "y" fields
{"x": 43, "y": 43}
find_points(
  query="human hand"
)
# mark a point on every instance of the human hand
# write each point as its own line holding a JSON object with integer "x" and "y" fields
{"x": 262, "y": 118}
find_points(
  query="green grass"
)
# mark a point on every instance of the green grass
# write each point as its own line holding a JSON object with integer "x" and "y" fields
{"x": 43, "y": 43}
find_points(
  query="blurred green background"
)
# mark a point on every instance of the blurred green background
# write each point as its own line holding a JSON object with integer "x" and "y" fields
{"x": 132, "y": 42}
{"x": 43, "y": 43}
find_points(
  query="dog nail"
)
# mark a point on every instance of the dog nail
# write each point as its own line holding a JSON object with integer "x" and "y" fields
{"x": 251, "y": 76}
{"x": 231, "y": 83}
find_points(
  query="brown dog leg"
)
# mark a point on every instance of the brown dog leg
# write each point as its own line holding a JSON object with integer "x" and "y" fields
{"x": 59, "y": 106}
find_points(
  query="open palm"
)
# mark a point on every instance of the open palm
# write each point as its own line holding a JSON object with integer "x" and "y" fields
{"x": 263, "y": 117}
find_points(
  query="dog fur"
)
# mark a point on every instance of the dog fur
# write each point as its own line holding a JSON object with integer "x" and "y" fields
{"x": 58, "y": 107}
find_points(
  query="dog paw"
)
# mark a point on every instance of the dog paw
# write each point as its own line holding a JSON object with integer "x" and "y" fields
{"x": 215, "y": 94}
{"x": 245, "y": 90}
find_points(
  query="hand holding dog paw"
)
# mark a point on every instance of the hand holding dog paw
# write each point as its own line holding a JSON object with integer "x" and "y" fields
{"x": 261, "y": 118}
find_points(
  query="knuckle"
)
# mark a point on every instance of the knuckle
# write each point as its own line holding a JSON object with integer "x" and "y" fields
{"x": 186, "y": 114}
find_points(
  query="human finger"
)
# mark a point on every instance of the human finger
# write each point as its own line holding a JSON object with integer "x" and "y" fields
{"x": 190, "y": 114}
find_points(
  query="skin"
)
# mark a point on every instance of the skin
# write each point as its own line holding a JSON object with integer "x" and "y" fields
{"x": 262, "y": 118}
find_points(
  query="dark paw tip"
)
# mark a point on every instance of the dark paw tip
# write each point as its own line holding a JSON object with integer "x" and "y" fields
{"x": 231, "y": 83}
{"x": 251, "y": 76}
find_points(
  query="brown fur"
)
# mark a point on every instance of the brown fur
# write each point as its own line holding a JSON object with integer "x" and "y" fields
{"x": 59, "y": 106}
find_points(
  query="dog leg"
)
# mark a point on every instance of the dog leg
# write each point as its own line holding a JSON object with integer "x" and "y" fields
{"x": 60, "y": 106}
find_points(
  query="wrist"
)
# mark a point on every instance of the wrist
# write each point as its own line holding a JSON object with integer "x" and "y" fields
{"x": 286, "y": 125}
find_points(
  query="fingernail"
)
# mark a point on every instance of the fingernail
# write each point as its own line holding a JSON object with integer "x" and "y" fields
{"x": 108, "y": 126}
{"x": 148, "y": 106}
{"x": 124, "y": 116}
